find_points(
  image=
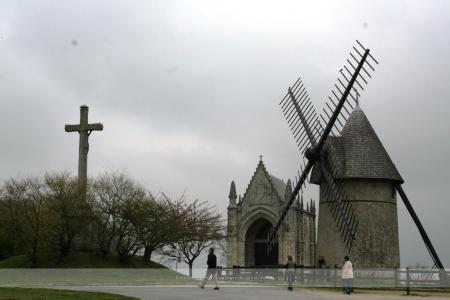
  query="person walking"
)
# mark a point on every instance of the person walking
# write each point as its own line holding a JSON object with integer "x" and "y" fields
{"x": 290, "y": 272}
{"x": 211, "y": 271}
{"x": 347, "y": 276}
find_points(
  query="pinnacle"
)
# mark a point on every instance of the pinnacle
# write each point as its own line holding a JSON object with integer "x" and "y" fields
{"x": 288, "y": 190}
{"x": 232, "y": 194}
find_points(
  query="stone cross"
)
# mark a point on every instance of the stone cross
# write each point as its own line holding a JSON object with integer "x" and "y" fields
{"x": 84, "y": 129}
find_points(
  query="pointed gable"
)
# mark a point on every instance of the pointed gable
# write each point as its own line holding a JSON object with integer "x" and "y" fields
{"x": 358, "y": 152}
{"x": 263, "y": 188}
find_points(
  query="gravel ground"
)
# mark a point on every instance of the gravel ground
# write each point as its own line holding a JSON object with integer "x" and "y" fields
{"x": 230, "y": 292}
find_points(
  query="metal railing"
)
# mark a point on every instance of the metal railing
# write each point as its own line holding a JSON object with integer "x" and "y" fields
{"x": 331, "y": 277}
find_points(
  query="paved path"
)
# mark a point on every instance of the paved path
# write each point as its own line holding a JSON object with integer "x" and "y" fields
{"x": 231, "y": 292}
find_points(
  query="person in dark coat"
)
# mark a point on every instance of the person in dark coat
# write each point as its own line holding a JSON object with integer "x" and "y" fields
{"x": 290, "y": 271}
{"x": 211, "y": 271}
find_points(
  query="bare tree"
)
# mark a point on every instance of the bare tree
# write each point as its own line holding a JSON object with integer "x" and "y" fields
{"x": 116, "y": 205}
{"x": 158, "y": 225}
{"x": 129, "y": 241}
{"x": 202, "y": 227}
{"x": 69, "y": 211}
{"x": 23, "y": 202}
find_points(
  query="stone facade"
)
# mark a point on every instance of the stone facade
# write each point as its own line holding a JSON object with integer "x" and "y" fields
{"x": 250, "y": 217}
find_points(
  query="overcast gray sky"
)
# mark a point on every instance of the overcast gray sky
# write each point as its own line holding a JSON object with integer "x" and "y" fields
{"x": 188, "y": 91}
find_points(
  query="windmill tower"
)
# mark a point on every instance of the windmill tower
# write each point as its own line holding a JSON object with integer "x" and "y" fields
{"x": 346, "y": 220}
{"x": 369, "y": 178}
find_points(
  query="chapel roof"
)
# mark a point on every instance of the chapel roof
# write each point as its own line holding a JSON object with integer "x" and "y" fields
{"x": 279, "y": 185}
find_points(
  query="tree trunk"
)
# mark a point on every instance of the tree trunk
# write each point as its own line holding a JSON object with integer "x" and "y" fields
{"x": 33, "y": 255}
{"x": 64, "y": 251}
{"x": 190, "y": 268}
{"x": 104, "y": 250}
{"x": 123, "y": 250}
{"x": 64, "y": 246}
{"x": 147, "y": 253}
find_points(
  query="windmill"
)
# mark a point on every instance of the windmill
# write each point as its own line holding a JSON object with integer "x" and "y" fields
{"x": 311, "y": 130}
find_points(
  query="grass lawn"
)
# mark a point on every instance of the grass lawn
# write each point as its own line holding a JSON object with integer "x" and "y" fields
{"x": 50, "y": 294}
{"x": 380, "y": 291}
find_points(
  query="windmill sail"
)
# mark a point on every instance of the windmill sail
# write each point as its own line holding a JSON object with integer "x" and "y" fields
{"x": 310, "y": 137}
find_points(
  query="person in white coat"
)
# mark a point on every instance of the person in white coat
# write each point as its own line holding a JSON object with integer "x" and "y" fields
{"x": 347, "y": 276}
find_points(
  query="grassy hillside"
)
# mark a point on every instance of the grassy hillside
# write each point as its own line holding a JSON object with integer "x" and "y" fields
{"x": 78, "y": 260}
{"x": 50, "y": 294}
{"x": 86, "y": 269}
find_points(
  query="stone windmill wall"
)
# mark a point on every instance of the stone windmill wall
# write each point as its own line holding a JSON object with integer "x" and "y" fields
{"x": 369, "y": 178}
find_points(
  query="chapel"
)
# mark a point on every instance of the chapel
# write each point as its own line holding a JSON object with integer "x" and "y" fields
{"x": 251, "y": 216}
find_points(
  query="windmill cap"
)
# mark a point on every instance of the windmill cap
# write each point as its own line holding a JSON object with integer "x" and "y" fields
{"x": 358, "y": 152}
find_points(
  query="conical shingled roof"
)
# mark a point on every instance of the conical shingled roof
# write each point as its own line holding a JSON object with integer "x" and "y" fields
{"x": 358, "y": 152}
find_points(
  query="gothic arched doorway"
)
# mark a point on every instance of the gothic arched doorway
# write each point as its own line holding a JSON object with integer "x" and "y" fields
{"x": 256, "y": 245}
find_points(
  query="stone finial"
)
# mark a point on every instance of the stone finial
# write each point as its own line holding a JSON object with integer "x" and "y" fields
{"x": 260, "y": 162}
{"x": 288, "y": 190}
{"x": 301, "y": 202}
{"x": 232, "y": 196}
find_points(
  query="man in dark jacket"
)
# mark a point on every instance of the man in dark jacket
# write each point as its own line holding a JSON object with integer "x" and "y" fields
{"x": 211, "y": 271}
{"x": 290, "y": 272}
